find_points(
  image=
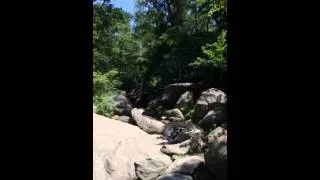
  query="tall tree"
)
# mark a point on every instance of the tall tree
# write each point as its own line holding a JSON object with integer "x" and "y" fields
{"x": 114, "y": 45}
{"x": 172, "y": 36}
{"x": 213, "y": 61}
{"x": 172, "y": 41}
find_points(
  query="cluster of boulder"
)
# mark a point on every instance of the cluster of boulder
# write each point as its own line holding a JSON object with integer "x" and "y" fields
{"x": 208, "y": 110}
{"x": 187, "y": 134}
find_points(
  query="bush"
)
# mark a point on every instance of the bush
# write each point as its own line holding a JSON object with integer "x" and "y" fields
{"x": 214, "y": 54}
{"x": 104, "y": 105}
{"x": 104, "y": 86}
{"x": 105, "y": 82}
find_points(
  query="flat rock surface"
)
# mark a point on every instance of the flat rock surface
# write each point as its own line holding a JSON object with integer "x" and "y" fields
{"x": 117, "y": 146}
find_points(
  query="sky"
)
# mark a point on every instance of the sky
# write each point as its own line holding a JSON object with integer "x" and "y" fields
{"x": 126, "y": 5}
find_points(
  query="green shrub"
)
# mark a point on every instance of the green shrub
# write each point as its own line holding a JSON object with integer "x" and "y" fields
{"x": 105, "y": 82}
{"x": 104, "y": 86}
{"x": 104, "y": 105}
{"x": 214, "y": 55}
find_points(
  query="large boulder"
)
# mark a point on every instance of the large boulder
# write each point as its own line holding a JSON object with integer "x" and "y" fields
{"x": 175, "y": 176}
{"x": 209, "y": 120}
{"x": 147, "y": 123}
{"x": 122, "y": 105}
{"x": 202, "y": 173}
{"x": 213, "y": 119}
{"x": 172, "y": 93}
{"x": 118, "y": 146}
{"x": 211, "y": 99}
{"x": 216, "y": 157}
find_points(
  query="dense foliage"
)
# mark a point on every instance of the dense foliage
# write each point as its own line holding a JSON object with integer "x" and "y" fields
{"x": 171, "y": 41}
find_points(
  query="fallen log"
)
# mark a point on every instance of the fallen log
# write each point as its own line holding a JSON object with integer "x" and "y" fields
{"x": 146, "y": 123}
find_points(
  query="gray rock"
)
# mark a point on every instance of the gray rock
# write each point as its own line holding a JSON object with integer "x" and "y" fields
{"x": 165, "y": 121}
{"x": 174, "y": 176}
{"x": 175, "y": 115}
{"x": 176, "y": 149}
{"x": 190, "y": 146}
{"x": 197, "y": 144}
{"x": 215, "y": 134}
{"x": 213, "y": 119}
{"x": 202, "y": 173}
{"x": 179, "y": 131}
{"x": 207, "y": 123}
{"x": 216, "y": 157}
{"x": 186, "y": 165}
{"x": 211, "y": 99}
{"x": 185, "y": 100}
{"x": 172, "y": 93}
{"x": 123, "y": 118}
{"x": 122, "y": 105}
{"x": 200, "y": 109}
{"x": 115, "y": 117}
{"x": 175, "y": 119}
{"x": 151, "y": 168}
{"x": 176, "y": 156}
{"x": 214, "y": 95}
